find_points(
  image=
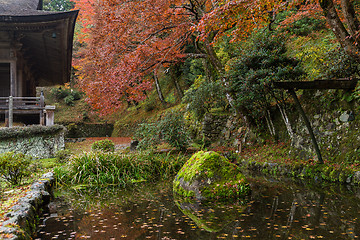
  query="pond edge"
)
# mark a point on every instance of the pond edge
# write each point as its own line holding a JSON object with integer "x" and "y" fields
{"x": 315, "y": 172}
{"x": 23, "y": 218}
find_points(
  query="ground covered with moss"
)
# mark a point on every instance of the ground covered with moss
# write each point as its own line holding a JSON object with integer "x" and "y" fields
{"x": 273, "y": 158}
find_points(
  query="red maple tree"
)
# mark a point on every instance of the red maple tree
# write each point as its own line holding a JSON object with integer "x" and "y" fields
{"x": 127, "y": 41}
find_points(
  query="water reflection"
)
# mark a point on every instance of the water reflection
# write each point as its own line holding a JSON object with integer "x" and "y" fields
{"x": 275, "y": 210}
{"x": 211, "y": 216}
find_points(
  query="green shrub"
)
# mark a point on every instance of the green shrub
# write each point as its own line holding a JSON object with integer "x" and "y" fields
{"x": 76, "y": 95}
{"x": 104, "y": 168}
{"x": 251, "y": 74}
{"x": 60, "y": 93}
{"x": 306, "y": 26}
{"x": 69, "y": 95}
{"x": 170, "y": 129}
{"x": 14, "y": 167}
{"x": 63, "y": 156}
{"x": 201, "y": 99}
{"x": 69, "y": 100}
{"x": 148, "y": 135}
{"x": 103, "y": 145}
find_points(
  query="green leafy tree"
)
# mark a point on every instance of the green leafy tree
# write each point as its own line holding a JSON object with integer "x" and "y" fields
{"x": 261, "y": 62}
{"x": 58, "y": 5}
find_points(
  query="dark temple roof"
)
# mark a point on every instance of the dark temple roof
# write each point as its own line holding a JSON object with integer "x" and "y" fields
{"x": 46, "y": 37}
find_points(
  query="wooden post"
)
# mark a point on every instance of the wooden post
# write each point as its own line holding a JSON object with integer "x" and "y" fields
{"x": 6, "y": 118}
{"x": 308, "y": 125}
{"x": 11, "y": 108}
{"x": 42, "y": 106}
{"x": 49, "y": 113}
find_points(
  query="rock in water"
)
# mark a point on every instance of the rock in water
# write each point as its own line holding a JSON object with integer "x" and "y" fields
{"x": 208, "y": 176}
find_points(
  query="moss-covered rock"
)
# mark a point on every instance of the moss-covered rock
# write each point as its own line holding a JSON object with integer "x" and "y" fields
{"x": 207, "y": 176}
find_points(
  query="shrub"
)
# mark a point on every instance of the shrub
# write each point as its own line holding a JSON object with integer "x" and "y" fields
{"x": 148, "y": 135}
{"x": 250, "y": 75}
{"x": 101, "y": 168}
{"x": 60, "y": 93}
{"x": 69, "y": 95}
{"x": 69, "y": 100}
{"x": 63, "y": 156}
{"x": 14, "y": 167}
{"x": 306, "y": 26}
{"x": 103, "y": 145}
{"x": 170, "y": 129}
{"x": 201, "y": 99}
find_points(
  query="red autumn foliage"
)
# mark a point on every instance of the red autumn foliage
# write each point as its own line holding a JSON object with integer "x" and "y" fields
{"x": 125, "y": 41}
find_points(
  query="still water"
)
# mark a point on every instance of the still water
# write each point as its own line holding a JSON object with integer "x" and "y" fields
{"x": 276, "y": 209}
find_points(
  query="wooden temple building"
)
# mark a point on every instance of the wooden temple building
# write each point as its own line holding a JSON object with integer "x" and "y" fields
{"x": 35, "y": 50}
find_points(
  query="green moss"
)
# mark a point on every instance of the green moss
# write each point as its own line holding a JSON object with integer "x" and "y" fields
{"x": 216, "y": 177}
{"x": 334, "y": 175}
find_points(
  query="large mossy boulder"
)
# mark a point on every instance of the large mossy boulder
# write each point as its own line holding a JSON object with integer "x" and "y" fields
{"x": 208, "y": 176}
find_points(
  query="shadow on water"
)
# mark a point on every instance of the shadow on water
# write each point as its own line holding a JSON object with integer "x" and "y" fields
{"x": 276, "y": 209}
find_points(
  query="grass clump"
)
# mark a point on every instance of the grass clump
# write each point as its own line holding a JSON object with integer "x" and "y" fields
{"x": 63, "y": 156}
{"x": 107, "y": 168}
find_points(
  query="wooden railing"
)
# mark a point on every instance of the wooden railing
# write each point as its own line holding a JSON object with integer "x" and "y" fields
{"x": 26, "y": 105}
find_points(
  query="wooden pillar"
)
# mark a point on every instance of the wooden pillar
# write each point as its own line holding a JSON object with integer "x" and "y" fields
{"x": 50, "y": 115}
{"x": 42, "y": 108}
{"x": 308, "y": 125}
{"x": 11, "y": 108}
{"x": 6, "y": 118}
{"x": 13, "y": 76}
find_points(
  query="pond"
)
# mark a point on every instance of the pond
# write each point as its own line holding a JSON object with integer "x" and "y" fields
{"x": 276, "y": 209}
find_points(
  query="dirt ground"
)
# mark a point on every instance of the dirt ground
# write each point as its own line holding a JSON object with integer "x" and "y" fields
{"x": 79, "y": 147}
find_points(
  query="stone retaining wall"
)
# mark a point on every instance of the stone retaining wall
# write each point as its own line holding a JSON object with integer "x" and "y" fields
{"x": 35, "y": 141}
{"x": 21, "y": 222}
{"x": 315, "y": 172}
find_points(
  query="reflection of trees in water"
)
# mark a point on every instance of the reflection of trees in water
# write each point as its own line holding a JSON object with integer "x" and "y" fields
{"x": 274, "y": 210}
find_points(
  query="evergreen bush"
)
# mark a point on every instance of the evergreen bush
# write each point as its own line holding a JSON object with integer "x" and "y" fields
{"x": 173, "y": 131}
{"x": 14, "y": 167}
{"x": 170, "y": 128}
{"x": 261, "y": 62}
{"x": 204, "y": 96}
{"x": 69, "y": 95}
{"x": 103, "y": 145}
{"x": 148, "y": 135}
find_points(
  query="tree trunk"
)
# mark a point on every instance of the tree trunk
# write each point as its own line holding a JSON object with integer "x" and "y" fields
{"x": 158, "y": 88}
{"x": 270, "y": 124}
{"x": 347, "y": 41}
{"x": 208, "y": 74}
{"x": 287, "y": 122}
{"x": 178, "y": 89}
{"x": 176, "y": 84}
{"x": 351, "y": 20}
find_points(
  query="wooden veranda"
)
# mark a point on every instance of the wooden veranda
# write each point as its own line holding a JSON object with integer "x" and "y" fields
{"x": 26, "y": 105}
